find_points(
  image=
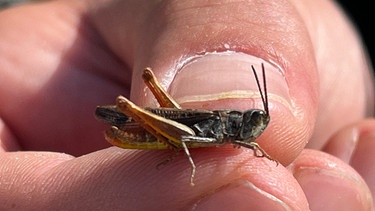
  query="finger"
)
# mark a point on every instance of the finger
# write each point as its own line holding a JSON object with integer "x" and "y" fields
{"x": 329, "y": 183}
{"x": 354, "y": 145}
{"x": 54, "y": 71}
{"x": 109, "y": 180}
{"x": 205, "y": 63}
{"x": 345, "y": 76}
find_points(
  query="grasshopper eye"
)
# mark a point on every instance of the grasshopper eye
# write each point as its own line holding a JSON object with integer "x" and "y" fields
{"x": 254, "y": 123}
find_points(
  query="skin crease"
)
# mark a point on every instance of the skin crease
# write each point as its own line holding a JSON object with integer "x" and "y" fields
{"x": 65, "y": 57}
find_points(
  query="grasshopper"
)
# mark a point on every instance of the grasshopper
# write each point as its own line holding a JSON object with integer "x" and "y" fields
{"x": 171, "y": 127}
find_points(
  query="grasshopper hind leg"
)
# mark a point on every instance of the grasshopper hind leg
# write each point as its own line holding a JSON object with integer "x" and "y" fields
{"x": 174, "y": 155}
{"x": 163, "y": 98}
{"x": 193, "y": 167}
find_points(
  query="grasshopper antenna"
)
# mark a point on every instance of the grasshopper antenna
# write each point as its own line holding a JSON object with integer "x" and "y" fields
{"x": 263, "y": 96}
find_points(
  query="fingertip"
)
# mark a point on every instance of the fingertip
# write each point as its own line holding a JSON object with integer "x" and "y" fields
{"x": 237, "y": 180}
{"x": 329, "y": 183}
{"x": 355, "y": 145}
{"x": 244, "y": 195}
{"x": 243, "y": 181}
{"x": 363, "y": 158}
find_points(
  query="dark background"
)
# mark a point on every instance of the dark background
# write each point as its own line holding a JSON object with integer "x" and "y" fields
{"x": 362, "y": 13}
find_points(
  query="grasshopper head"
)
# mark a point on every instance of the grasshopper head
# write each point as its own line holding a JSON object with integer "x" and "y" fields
{"x": 253, "y": 124}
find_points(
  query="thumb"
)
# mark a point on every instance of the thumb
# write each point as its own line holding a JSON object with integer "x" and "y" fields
{"x": 204, "y": 64}
{"x": 202, "y": 55}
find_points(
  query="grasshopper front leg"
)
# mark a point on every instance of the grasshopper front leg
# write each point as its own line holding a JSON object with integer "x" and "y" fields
{"x": 256, "y": 148}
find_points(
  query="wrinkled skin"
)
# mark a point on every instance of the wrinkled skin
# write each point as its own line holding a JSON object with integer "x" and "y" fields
{"x": 60, "y": 59}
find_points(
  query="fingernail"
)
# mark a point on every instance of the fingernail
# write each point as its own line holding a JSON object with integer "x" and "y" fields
{"x": 363, "y": 158}
{"x": 366, "y": 141}
{"x": 240, "y": 195}
{"x": 343, "y": 144}
{"x": 332, "y": 190}
{"x": 226, "y": 75}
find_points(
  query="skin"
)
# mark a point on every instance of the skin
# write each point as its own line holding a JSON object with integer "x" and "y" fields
{"x": 60, "y": 59}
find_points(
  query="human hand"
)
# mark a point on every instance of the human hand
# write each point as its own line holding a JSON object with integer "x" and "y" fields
{"x": 60, "y": 59}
